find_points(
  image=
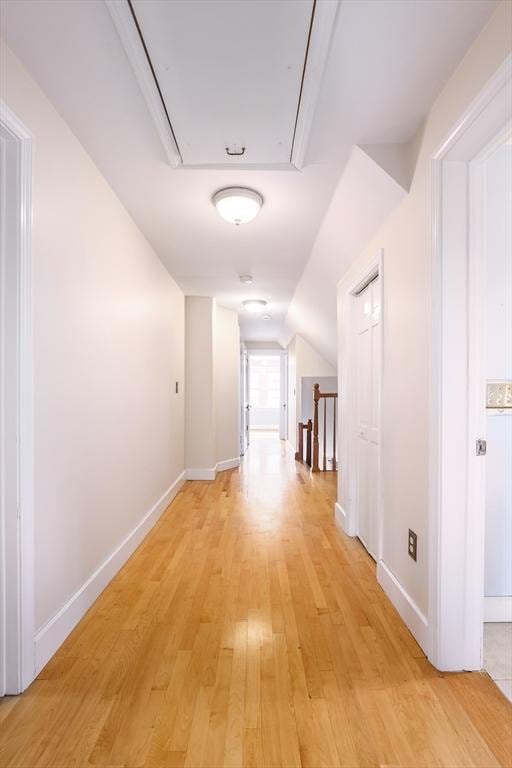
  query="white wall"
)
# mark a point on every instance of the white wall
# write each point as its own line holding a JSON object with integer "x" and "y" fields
{"x": 199, "y": 383}
{"x": 498, "y": 529}
{"x": 212, "y": 354}
{"x": 108, "y": 348}
{"x": 227, "y": 385}
{"x": 406, "y": 327}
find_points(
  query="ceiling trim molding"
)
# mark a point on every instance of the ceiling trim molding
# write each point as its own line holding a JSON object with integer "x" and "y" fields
{"x": 130, "y": 37}
{"x": 318, "y": 48}
{"x": 239, "y": 166}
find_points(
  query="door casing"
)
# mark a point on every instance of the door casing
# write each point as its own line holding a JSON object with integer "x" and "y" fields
{"x": 17, "y": 661}
{"x": 283, "y": 388}
{"x": 457, "y": 386}
{"x": 347, "y": 418}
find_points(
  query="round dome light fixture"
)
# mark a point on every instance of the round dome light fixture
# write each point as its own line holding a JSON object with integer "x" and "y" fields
{"x": 254, "y": 305}
{"x": 238, "y": 205}
{"x": 246, "y": 279}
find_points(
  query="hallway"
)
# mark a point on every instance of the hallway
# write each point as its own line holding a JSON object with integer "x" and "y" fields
{"x": 248, "y": 631}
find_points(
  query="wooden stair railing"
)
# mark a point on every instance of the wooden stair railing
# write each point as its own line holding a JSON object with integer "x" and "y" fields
{"x": 308, "y": 428}
{"x": 317, "y": 397}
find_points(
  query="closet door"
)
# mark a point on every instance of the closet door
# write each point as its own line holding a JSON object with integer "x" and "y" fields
{"x": 368, "y": 410}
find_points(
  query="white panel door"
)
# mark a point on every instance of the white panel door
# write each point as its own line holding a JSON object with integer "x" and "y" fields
{"x": 368, "y": 409}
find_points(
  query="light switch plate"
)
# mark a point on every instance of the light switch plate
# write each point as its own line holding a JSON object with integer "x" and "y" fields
{"x": 412, "y": 546}
{"x": 499, "y": 394}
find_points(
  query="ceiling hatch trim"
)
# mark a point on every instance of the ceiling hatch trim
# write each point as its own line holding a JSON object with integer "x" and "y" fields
{"x": 131, "y": 38}
{"x": 322, "y": 25}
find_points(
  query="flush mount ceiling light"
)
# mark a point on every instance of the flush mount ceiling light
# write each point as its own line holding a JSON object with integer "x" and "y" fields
{"x": 246, "y": 279}
{"x": 237, "y": 205}
{"x": 266, "y": 317}
{"x": 254, "y": 305}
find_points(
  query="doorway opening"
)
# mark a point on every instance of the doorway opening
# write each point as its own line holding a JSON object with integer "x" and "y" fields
{"x": 472, "y": 374}
{"x": 497, "y": 305}
{"x": 264, "y": 395}
{"x": 264, "y": 392}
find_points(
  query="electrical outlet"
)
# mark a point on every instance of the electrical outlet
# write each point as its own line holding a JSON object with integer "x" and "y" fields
{"x": 413, "y": 545}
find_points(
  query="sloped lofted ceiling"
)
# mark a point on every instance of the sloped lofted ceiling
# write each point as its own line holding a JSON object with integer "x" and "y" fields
{"x": 386, "y": 62}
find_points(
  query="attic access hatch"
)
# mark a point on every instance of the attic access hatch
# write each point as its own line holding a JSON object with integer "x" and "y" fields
{"x": 228, "y": 84}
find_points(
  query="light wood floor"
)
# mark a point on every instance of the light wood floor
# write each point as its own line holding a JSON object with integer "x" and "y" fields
{"x": 248, "y": 631}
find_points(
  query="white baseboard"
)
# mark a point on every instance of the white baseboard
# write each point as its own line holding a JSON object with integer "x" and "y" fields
{"x": 340, "y": 517}
{"x": 342, "y": 520}
{"x": 228, "y": 464}
{"x": 498, "y": 608}
{"x": 201, "y": 474}
{"x": 211, "y": 473}
{"x": 53, "y": 634}
{"x": 405, "y": 605}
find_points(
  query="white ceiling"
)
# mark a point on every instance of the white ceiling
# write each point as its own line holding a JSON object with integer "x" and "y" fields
{"x": 387, "y": 62}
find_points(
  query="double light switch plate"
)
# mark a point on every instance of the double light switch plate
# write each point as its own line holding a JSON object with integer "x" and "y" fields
{"x": 499, "y": 394}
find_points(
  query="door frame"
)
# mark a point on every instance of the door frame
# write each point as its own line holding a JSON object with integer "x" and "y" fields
{"x": 244, "y": 433}
{"x": 347, "y": 388}
{"x": 373, "y": 538}
{"x": 457, "y": 385}
{"x": 17, "y": 573}
{"x": 283, "y": 379}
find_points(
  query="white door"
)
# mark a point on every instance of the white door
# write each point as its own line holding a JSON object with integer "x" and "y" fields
{"x": 283, "y": 387}
{"x": 367, "y": 417}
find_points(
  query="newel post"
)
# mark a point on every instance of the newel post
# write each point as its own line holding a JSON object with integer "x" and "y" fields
{"x": 300, "y": 442}
{"x": 309, "y": 429}
{"x": 316, "y": 398}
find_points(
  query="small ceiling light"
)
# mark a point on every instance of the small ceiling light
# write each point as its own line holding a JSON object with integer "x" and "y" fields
{"x": 246, "y": 279}
{"x": 266, "y": 317}
{"x": 254, "y": 305}
{"x": 237, "y": 205}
